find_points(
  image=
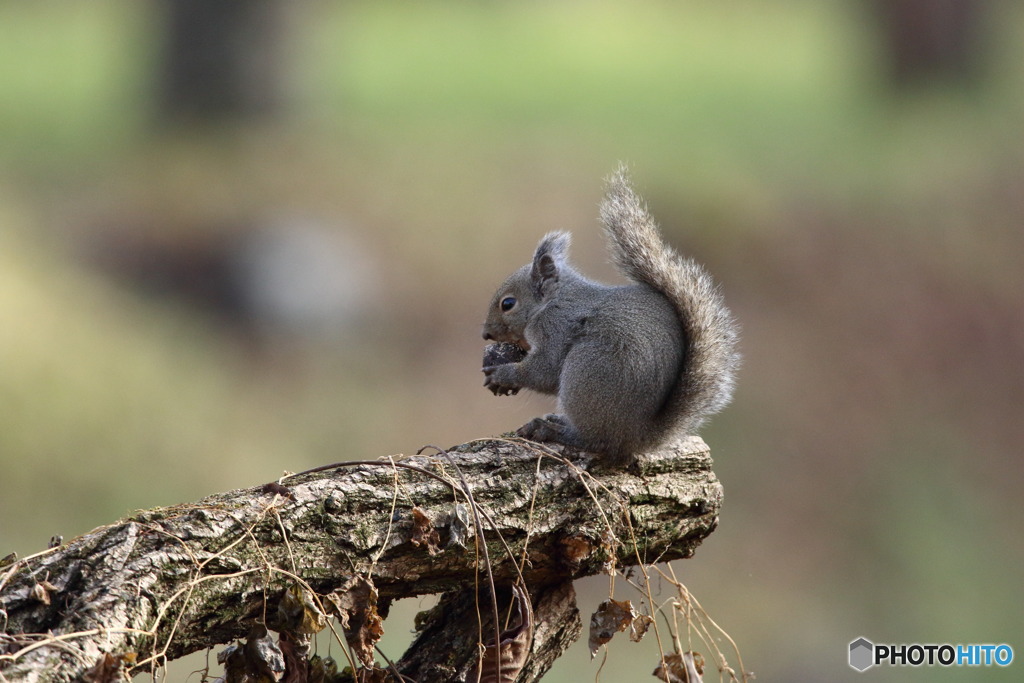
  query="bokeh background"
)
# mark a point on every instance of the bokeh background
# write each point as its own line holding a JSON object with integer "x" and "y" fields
{"x": 238, "y": 238}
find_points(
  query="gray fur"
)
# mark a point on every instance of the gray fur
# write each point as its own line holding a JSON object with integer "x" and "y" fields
{"x": 631, "y": 365}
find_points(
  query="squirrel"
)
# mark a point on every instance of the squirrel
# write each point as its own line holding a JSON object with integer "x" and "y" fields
{"x": 632, "y": 365}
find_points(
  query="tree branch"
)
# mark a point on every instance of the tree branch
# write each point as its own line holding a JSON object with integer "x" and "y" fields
{"x": 345, "y": 541}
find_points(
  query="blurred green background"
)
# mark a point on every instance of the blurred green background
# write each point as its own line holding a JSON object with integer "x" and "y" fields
{"x": 206, "y": 282}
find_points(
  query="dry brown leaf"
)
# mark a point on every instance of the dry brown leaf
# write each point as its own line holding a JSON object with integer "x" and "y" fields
{"x": 687, "y": 667}
{"x": 611, "y": 617}
{"x": 107, "y": 669}
{"x": 502, "y": 662}
{"x": 40, "y": 594}
{"x": 424, "y": 533}
{"x": 259, "y": 659}
{"x": 638, "y": 627}
{"x": 576, "y": 549}
{"x": 322, "y": 670}
{"x": 458, "y": 527}
{"x": 262, "y": 654}
{"x": 355, "y": 604}
{"x": 297, "y": 661}
{"x": 41, "y": 591}
{"x": 298, "y": 612}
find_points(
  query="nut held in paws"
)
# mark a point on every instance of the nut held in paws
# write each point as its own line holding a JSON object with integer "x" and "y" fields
{"x": 501, "y": 353}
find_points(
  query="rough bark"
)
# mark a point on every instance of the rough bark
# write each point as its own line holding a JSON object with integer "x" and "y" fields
{"x": 170, "y": 581}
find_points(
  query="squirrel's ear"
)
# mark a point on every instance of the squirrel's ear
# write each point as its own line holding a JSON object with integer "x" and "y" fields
{"x": 547, "y": 261}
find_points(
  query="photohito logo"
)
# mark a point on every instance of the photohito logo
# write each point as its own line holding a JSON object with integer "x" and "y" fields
{"x": 864, "y": 654}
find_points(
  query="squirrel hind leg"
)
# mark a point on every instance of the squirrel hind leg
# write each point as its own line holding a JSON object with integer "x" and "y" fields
{"x": 551, "y": 427}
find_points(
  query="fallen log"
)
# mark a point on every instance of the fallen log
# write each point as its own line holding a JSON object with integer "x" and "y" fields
{"x": 495, "y": 525}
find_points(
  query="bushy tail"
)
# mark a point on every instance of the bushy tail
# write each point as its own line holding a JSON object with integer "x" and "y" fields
{"x": 706, "y": 380}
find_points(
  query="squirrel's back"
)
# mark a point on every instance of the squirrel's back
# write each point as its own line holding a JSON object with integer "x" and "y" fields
{"x": 710, "y": 362}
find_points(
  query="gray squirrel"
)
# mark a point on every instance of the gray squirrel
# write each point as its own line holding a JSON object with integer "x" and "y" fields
{"x": 632, "y": 365}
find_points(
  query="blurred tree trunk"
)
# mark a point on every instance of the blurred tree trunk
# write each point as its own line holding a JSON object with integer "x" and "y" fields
{"x": 223, "y": 59}
{"x": 934, "y": 40}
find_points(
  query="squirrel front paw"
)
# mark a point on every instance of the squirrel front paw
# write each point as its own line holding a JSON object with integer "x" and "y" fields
{"x": 500, "y": 380}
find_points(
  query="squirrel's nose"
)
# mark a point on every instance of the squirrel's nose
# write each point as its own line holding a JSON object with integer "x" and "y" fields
{"x": 487, "y": 336}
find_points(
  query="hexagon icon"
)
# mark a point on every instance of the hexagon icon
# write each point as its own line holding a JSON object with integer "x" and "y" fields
{"x": 862, "y": 654}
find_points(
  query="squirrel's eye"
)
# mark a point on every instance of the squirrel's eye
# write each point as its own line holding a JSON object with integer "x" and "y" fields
{"x": 507, "y": 303}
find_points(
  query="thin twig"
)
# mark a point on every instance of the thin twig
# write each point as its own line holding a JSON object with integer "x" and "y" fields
{"x": 391, "y": 518}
